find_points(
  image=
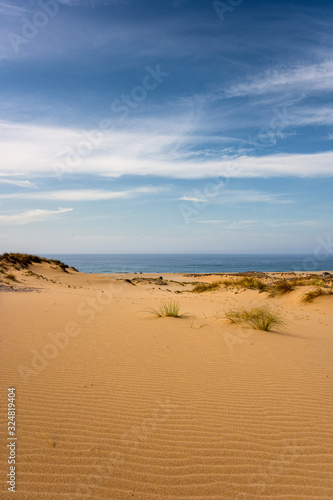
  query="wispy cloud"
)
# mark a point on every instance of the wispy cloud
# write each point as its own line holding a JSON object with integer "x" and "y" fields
{"x": 30, "y": 216}
{"x": 307, "y": 77}
{"x": 230, "y": 196}
{"x": 8, "y": 9}
{"x": 34, "y": 151}
{"x": 192, "y": 199}
{"x": 24, "y": 184}
{"x": 87, "y": 194}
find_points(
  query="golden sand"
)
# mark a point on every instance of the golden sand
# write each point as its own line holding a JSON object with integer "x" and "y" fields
{"x": 116, "y": 403}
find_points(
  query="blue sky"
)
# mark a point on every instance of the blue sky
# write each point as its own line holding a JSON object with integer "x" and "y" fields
{"x": 180, "y": 126}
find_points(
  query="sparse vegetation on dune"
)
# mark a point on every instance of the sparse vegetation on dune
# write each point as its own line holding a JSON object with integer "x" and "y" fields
{"x": 167, "y": 309}
{"x": 317, "y": 292}
{"x": 259, "y": 318}
{"x": 23, "y": 260}
{"x": 252, "y": 283}
{"x": 281, "y": 287}
{"x": 316, "y": 282}
{"x": 206, "y": 287}
{"x": 249, "y": 282}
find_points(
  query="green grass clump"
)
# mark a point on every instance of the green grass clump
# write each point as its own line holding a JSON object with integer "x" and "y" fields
{"x": 11, "y": 276}
{"x": 317, "y": 292}
{"x": 206, "y": 287}
{"x": 258, "y": 318}
{"x": 316, "y": 282}
{"x": 167, "y": 309}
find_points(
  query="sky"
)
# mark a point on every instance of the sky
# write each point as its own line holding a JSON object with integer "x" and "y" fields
{"x": 179, "y": 126}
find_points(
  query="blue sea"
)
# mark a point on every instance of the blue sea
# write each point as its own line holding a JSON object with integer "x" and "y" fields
{"x": 194, "y": 263}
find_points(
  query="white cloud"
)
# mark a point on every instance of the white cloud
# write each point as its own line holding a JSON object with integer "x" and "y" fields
{"x": 31, "y": 151}
{"x": 223, "y": 195}
{"x": 11, "y": 10}
{"x": 192, "y": 199}
{"x": 24, "y": 184}
{"x": 86, "y": 194}
{"x": 308, "y": 78}
{"x": 30, "y": 216}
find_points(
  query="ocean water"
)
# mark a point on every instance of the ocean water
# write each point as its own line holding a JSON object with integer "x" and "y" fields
{"x": 189, "y": 263}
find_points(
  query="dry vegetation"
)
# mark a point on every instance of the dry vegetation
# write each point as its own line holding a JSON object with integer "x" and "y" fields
{"x": 167, "y": 309}
{"x": 23, "y": 261}
{"x": 206, "y": 287}
{"x": 317, "y": 292}
{"x": 259, "y": 318}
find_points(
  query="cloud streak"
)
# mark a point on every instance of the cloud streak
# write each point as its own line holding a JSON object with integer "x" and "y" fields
{"x": 231, "y": 196}
{"x": 87, "y": 194}
{"x": 30, "y": 216}
{"x": 38, "y": 151}
{"x": 307, "y": 77}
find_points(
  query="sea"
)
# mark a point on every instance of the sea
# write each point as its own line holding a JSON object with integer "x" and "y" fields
{"x": 195, "y": 263}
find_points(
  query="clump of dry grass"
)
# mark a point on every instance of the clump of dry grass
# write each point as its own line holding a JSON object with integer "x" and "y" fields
{"x": 282, "y": 286}
{"x": 246, "y": 282}
{"x": 259, "y": 318}
{"x": 206, "y": 287}
{"x": 252, "y": 283}
{"x": 299, "y": 281}
{"x": 228, "y": 282}
{"x": 317, "y": 292}
{"x": 166, "y": 309}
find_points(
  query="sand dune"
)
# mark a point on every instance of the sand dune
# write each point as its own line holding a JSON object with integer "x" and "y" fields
{"x": 115, "y": 403}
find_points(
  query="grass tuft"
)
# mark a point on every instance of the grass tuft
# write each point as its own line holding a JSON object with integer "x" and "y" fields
{"x": 206, "y": 287}
{"x": 258, "y": 318}
{"x": 252, "y": 283}
{"x": 282, "y": 286}
{"x": 167, "y": 309}
{"x": 317, "y": 292}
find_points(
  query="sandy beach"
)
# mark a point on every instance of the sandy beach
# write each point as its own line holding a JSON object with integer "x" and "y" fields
{"x": 114, "y": 402}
